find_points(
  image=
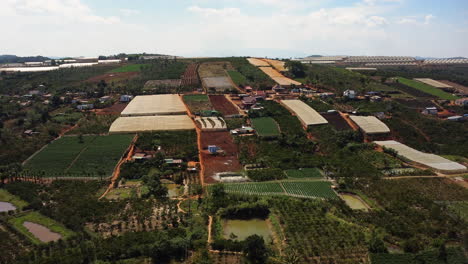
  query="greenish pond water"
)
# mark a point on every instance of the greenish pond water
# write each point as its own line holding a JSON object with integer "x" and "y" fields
{"x": 245, "y": 228}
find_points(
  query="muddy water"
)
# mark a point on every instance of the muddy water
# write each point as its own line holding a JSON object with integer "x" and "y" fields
{"x": 5, "y": 207}
{"x": 41, "y": 232}
{"x": 354, "y": 202}
{"x": 245, "y": 228}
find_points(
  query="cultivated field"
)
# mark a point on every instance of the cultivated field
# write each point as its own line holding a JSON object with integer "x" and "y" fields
{"x": 190, "y": 76}
{"x": 113, "y": 77}
{"x": 93, "y": 156}
{"x": 304, "y": 173}
{"x": 300, "y": 189}
{"x": 258, "y": 62}
{"x": 266, "y": 127}
{"x": 129, "y": 68}
{"x": 426, "y": 88}
{"x": 278, "y": 65}
{"x": 223, "y": 105}
{"x": 197, "y": 103}
{"x": 163, "y": 86}
{"x": 336, "y": 120}
{"x": 214, "y": 75}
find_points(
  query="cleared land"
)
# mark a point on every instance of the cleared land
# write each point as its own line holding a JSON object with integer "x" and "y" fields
{"x": 301, "y": 189}
{"x": 190, "y": 76}
{"x": 430, "y": 160}
{"x": 266, "y": 127}
{"x": 258, "y": 62}
{"x": 305, "y": 113}
{"x": 169, "y": 83}
{"x": 460, "y": 88}
{"x": 197, "y": 102}
{"x": 370, "y": 125}
{"x": 426, "y": 88}
{"x": 278, "y": 65}
{"x": 148, "y": 105}
{"x": 223, "y": 105}
{"x": 94, "y": 156}
{"x": 227, "y": 162}
{"x": 220, "y": 83}
{"x": 37, "y": 218}
{"x": 151, "y": 123}
{"x": 433, "y": 83}
{"x": 278, "y": 77}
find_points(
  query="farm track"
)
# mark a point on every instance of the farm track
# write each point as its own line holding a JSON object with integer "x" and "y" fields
{"x": 78, "y": 156}
{"x": 116, "y": 174}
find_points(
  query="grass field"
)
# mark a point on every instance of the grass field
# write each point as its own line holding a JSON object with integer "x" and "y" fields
{"x": 129, "y": 68}
{"x": 95, "y": 155}
{"x": 37, "y": 218}
{"x": 302, "y": 189}
{"x": 237, "y": 78}
{"x": 426, "y": 88}
{"x": 10, "y": 198}
{"x": 266, "y": 127}
{"x": 304, "y": 173}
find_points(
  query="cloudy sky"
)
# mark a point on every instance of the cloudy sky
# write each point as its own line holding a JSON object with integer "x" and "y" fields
{"x": 275, "y": 28}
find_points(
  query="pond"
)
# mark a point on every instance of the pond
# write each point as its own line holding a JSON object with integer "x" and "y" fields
{"x": 5, "y": 207}
{"x": 245, "y": 228}
{"x": 41, "y": 232}
{"x": 354, "y": 201}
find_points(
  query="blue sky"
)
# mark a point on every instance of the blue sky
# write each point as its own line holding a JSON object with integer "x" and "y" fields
{"x": 274, "y": 28}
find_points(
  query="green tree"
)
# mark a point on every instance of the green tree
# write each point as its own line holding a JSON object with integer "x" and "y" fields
{"x": 296, "y": 68}
{"x": 155, "y": 187}
{"x": 255, "y": 250}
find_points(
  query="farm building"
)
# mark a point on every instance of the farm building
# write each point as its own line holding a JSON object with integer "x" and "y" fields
{"x": 126, "y": 98}
{"x": 149, "y": 105}
{"x": 211, "y": 124}
{"x": 306, "y": 114}
{"x": 370, "y": 125}
{"x": 462, "y": 102}
{"x": 430, "y": 111}
{"x": 434, "y": 83}
{"x": 351, "y": 94}
{"x": 430, "y": 160}
{"x": 151, "y": 123}
{"x": 85, "y": 107}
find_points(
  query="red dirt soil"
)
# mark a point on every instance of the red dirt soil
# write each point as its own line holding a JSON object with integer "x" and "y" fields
{"x": 110, "y": 77}
{"x": 115, "y": 109}
{"x": 220, "y": 163}
{"x": 223, "y": 105}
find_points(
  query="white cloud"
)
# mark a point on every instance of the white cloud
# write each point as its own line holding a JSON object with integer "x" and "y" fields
{"x": 414, "y": 20}
{"x": 214, "y": 11}
{"x": 129, "y": 12}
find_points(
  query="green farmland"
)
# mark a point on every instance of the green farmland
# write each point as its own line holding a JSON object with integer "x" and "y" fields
{"x": 129, "y": 68}
{"x": 237, "y": 77}
{"x": 302, "y": 189}
{"x": 304, "y": 173}
{"x": 266, "y": 127}
{"x": 426, "y": 88}
{"x": 70, "y": 156}
{"x": 37, "y": 218}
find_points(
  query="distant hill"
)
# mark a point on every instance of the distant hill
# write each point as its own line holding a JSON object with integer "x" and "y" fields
{"x": 16, "y": 59}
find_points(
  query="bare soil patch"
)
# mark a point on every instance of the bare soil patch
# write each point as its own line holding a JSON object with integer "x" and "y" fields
{"x": 226, "y": 162}
{"x": 115, "y": 109}
{"x": 223, "y": 105}
{"x": 460, "y": 88}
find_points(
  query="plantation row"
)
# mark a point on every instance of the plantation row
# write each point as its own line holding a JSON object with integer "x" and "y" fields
{"x": 302, "y": 189}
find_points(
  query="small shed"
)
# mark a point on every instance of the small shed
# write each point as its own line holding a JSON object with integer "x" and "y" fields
{"x": 126, "y": 98}
{"x": 430, "y": 110}
{"x": 351, "y": 94}
{"x": 213, "y": 149}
